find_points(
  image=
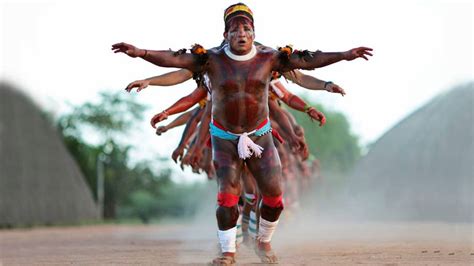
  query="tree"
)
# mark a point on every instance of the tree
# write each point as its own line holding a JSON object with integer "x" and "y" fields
{"x": 333, "y": 144}
{"x": 130, "y": 191}
{"x": 112, "y": 116}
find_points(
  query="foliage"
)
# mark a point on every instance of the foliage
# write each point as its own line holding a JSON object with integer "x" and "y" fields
{"x": 333, "y": 144}
{"x": 113, "y": 115}
{"x": 130, "y": 191}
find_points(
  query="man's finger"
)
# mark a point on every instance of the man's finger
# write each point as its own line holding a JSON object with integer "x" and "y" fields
{"x": 153, "y": 123}
{"x": 120, "y": 50}
{"x": 117, "y": 44}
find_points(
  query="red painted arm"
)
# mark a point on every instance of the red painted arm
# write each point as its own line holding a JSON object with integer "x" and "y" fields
{"x": 181, "y": 105}
{"x": 297, "y": 103}
{"x": 161, "y": 58}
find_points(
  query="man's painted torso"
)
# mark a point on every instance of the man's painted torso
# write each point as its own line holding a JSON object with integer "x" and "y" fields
{"x": 240, "y": 89}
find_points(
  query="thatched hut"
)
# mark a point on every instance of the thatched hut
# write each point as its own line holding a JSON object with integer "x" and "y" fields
{"x": 40, "y": 183}
{"x": 423, "y": 168}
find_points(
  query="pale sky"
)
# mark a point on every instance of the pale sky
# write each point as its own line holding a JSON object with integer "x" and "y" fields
{"x": 59, "y": 51}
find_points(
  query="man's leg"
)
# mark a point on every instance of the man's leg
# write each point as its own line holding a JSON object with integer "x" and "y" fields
{"x": 267, "y": 172}
{"x": 291, "y": 183}
{"x": 249, "y": 220}
{"x": 228, "y": 167}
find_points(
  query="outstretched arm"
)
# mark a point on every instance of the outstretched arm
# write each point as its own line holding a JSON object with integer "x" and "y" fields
{"x": 201, "y": 137}
{"x": 161, "y": 58}
{"x": 188, "y": 132}
{"x": 286, "y": 59}
{"x": 286, "y": 122}
{"x": 296, "y": 102}
{"x": 287, "y": 129}
{"x": 312, "y": 83}
{"x": 181, "y": 105}
{"x": 299, "y": 131}
{"x": 168, "y": 79}
{"x": 181, "y": 120}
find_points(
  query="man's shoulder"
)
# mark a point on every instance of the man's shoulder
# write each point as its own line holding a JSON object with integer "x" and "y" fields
{"x": 266, "y": 52}
{"x": 265, "y": 49}
{"x": 216, "y": 50}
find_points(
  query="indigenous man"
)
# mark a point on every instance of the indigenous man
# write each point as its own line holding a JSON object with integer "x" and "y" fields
{"x": 239, "y": 74}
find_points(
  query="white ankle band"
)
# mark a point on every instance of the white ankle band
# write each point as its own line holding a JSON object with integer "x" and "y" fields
{"x": 266, "y": 230}
{"x": 227, "y": 239}
{"x": 253, "y": 225}
{"x": 239, "y": 235}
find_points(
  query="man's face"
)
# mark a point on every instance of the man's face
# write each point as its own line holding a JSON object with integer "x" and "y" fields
{"x": 240, "y": 36}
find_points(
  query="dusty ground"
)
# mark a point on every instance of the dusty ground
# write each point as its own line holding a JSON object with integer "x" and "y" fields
{"x": 321, "y": 244}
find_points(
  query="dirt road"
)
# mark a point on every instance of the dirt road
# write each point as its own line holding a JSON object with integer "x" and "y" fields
{"x": 318, "y": 244}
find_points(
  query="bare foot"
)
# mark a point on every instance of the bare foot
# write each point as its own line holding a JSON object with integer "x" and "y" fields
{"x": 265, "y": 253}
{"x": 226, "y": 258}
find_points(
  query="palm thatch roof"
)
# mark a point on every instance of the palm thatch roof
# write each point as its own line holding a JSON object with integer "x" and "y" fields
{"x": 40, "y": 182}
{"x": 423, "y": 168}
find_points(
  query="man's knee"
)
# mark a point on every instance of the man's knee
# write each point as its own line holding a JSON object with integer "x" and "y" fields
{"x": 227, "y": 212}
{"x": 227, "y": 199}
{"x": 271, "y": 207}
{"x": 273, "y": 201}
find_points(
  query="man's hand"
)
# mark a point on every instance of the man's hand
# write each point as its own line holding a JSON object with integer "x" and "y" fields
{"x": 128, "y": 49}
{"x": 210, "y": 171}
{"x": 195, "y": 159}
{"x": 317, "y": 115}
{"x": 160, "y": 130}
{"x": 186, "y": 159}
{"x": 177, "y": 154}
{"x": 295, "y": 143}
{"x": 158, "y": 118}
{"x": 304, "y": 151}
{"x": 334, "y": 88}
{"x": 357, "y": 52}
{"x": 299, "y": 131}
{"x": 140, "y": 84}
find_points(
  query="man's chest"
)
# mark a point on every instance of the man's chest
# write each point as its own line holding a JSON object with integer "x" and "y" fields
{"x": 237, "y": 75}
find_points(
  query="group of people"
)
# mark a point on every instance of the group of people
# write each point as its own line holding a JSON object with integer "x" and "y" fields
{"x": 239, "y": 134}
